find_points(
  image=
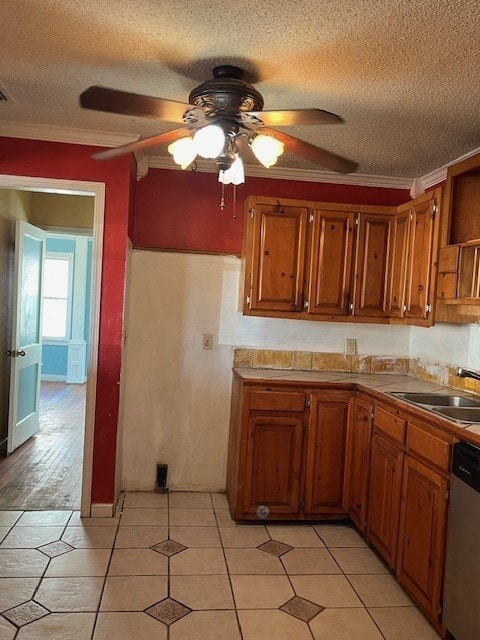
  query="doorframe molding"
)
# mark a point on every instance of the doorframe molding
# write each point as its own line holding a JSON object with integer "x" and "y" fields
{"x": 96, "y": 189}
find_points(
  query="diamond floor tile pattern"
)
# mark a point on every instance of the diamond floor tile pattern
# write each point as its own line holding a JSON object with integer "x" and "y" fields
{"x": 168, "y": 611}
{"x": 178, "y": 567}
{"x": 25, "y": 613}
{"x": 168, "y": 547}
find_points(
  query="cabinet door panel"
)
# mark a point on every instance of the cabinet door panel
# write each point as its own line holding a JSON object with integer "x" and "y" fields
{"x": 422, "y": 534}
{"x": 422, "y": 227}
{"x": 398, "y": 275}
{"x": 330, "y": 262}
{"x": 359, "y": 465}
{"x": 384, "y": 497}
{"x": 371, "y": 282}
{"x": 326, "y": 449}
{"x": 278, "y": 258}
{"x": 274, "y": 451}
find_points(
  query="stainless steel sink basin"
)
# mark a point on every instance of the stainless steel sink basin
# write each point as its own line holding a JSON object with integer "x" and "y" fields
{"x": 437, "y": 400}
{"x": 459, "y": 414}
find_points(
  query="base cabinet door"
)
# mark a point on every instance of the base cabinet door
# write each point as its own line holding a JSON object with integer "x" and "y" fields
{"x": 325, "y": 486}
{"x": 273, "y": 465}
{"x": 359, "y": 463}
{"x": 422, "y": 535}
{"x": 384, "y": 497}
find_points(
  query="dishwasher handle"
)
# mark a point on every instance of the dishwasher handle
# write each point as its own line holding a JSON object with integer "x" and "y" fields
{"x": 466, "y": 464}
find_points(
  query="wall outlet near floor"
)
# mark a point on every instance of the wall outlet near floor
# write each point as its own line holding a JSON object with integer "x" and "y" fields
{"x": 207, "y": 341}
{"x": 350, "y": 347}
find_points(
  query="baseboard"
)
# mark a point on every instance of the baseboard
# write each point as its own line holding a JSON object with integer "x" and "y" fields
{"x": 102, "y": 510}
{"x": 52, "y": 377}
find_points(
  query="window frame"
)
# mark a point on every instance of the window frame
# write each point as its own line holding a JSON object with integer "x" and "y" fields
{"x": 69, "y": 256}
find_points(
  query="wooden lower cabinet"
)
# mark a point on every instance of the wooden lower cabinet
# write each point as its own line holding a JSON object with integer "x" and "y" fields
{"x": 384, "y": 497}
{"x": 273, "y": 464}
{"x": 359, "y": 463}
{"x": 325, "y": 468}
{"x": 422, "y": 535}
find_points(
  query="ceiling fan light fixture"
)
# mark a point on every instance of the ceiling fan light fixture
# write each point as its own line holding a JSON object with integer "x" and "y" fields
{"x": 184, "y": 151}
{"x": 266, "y": 149}
{"x": 235, "y": 174}
{"x": 209, "y": 141}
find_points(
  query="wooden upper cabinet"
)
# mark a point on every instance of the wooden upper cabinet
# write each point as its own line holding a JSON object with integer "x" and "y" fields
{"x": 384, "y": 497}
{"x": 422, "y": 254}
{"x": 330, "y": 263}
{"x": 422, "y": 535}
{"x": 273, "y": 464}
{"x": 398, "y": 272}
{"x": 278, "y": 257}
{"x": 372, "y": 265}
{"x": 359, "y": 463}
{"x": 325, "y": 488}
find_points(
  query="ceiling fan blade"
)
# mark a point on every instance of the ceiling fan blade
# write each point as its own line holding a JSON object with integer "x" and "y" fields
{"x": 132, "y": 104}
{"x": 146, "y": 143}
{"x": 314, "y": 154}
{"x": 296, "y": 116}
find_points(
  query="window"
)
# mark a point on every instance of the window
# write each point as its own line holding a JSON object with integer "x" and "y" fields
{"x": 57, "y": 295}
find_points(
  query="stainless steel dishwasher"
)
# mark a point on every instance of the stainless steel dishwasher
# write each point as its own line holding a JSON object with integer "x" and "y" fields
{"x": 461, "y": 604}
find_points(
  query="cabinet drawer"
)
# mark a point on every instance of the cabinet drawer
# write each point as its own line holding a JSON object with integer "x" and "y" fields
{"x": 429, "y": 446}
{"x": 277, "y": 401}
{"x": 390, "y": 424}
{"x": 447, "y": 286}
{"x": 448, "y": 259}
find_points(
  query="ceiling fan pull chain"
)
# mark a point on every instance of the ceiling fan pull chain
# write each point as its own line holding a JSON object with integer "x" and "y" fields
{"x": 234, "y": 201}
{"x": 222, "y": 199}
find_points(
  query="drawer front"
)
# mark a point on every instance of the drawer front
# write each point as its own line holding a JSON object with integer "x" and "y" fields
{"x": 448, "y": 259}
{"x": 389, "y": 424}
{"x": 429, "y": 446}
{"x": 277, "y": 401}
{"x": 447, "y": 286}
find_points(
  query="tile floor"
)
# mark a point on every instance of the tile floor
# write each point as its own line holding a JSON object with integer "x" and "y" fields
{"x": 177, "y": 567}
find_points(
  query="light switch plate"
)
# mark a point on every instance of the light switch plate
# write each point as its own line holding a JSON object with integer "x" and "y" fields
{"x": 207, "y": 341}
{"x": 350, "y": 347}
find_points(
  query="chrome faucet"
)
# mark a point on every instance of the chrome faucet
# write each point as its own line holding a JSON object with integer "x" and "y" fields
{"x": 465, "y": 373}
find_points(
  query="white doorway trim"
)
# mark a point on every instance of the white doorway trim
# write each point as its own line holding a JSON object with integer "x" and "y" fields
{"x": 96, "y": 189}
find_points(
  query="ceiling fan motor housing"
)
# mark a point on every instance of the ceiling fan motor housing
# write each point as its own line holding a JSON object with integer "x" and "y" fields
{"x": 226, "y": 93}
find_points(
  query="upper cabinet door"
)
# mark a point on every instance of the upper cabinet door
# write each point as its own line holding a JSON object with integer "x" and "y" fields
{"x": 330, "y": 262}
{"x": 419, "y": 273}
{"x": 398, "y": 274}
{"x": 278, "y": 258}
{"x": 372, "y": 268}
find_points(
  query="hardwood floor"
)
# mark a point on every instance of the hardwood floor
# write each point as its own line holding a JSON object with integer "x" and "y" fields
{"x": 46, "y": 471}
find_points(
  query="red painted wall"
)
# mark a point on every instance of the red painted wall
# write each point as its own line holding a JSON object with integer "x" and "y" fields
{"x": 180, "y": 210}
{"x": 74, "y": 162}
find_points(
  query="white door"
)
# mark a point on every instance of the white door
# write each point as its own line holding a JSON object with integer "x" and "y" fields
{"x": 26, "y": 350}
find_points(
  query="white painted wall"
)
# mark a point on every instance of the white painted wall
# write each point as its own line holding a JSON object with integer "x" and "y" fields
{"x": 177, "y": 396}
{"x": 450, "y": 343}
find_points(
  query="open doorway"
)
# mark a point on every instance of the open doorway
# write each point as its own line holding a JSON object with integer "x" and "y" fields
{"x": 42, "y": 468}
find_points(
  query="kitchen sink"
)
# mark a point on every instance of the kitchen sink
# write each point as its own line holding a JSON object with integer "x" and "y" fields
{"x": 459, "y": 414}
{"x": 437, "y": 400}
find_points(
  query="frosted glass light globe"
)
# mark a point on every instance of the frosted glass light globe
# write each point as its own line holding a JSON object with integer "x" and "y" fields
{"x": 234, "y": 175}
{"x": 267, "y": 149}
{"x": 209, "y": 141}
{"x": 183, "y": 151}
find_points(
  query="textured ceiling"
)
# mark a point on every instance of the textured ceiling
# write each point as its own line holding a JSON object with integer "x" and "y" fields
{"x": 404, "y": 75}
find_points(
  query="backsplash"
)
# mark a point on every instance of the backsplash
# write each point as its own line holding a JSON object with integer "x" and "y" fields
{"x": 422, "y": 368}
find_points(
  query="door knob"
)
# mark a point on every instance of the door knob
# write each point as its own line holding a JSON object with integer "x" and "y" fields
{"x": 13, "y": 354}
{"x": 21, "y": 353}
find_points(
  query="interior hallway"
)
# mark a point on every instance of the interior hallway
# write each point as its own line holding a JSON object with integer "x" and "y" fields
{"x": 46, "y": 471}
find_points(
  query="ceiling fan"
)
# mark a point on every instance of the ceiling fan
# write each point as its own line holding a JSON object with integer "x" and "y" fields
{"x": 222, "y": 120}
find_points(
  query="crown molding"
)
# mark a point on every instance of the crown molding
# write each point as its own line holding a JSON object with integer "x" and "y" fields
{"x": 440, "y": 174}
{"x": 53, "y": 133}
{"x": 303, "y": 175}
